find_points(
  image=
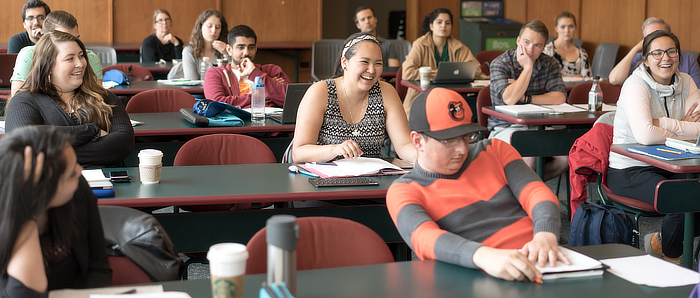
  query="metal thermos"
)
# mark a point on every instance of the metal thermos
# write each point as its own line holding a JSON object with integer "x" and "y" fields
{"x": 282, "y": 236}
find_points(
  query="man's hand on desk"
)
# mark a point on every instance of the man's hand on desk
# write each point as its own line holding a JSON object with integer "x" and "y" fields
{"x": 544, "y": 247}
{"x": 508, "y": 264}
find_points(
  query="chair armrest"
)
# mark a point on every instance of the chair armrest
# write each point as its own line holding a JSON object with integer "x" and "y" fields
{"x": 677, "y": 196}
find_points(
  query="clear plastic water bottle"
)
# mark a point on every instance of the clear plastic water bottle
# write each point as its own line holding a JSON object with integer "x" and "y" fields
{"x": 257, "y": 100}
{"x": 203, "y": 67}
{"x": 595, "y": 97}
{"x": 282, "y": 236}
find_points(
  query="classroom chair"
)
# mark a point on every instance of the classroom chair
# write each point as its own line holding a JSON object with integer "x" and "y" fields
{"x": 483, "y": 99}
{"x": 140, "y": 250}
{"x": 223, "y": 149}
{"x": 579, "y": 94}
{"x": 160, "y": 101}
{"x": 325, "y": 242}
{"x": 604, "y": 59}
{"x": 695, "y": 54}
{"x": 324, "y": 52}
{"x": 400, "y": 89}
{"x": 589, "y": 160}
{"x": 485, "y": 58}
{"x": 402, "y": 47}
{"x": 107, "y": 55}
{"x": 135, "y": 72}
{"x": 576, "y": 42}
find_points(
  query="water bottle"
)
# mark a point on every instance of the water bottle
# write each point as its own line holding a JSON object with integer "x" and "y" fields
{"x": 595, "y": 97}
{"x": 282, "y": 236}
{"x": 257, "y": 100}
{"x": 203, "y": 67}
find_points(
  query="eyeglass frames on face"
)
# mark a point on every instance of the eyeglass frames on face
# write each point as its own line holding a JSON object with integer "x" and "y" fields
{"x": 659, "y": 54}
{"x": 163, "y": 20}
{"x": 469, "y": 138}
{"x": 32, "y": 18}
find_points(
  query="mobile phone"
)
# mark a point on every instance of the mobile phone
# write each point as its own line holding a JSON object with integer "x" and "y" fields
{"x": 119, "y": 176}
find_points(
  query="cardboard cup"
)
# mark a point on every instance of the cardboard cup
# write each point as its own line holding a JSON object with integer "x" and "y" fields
{"x": 424, "y": 75}
{"x": 150, "y": 165}
{"x": 227, "y": 263}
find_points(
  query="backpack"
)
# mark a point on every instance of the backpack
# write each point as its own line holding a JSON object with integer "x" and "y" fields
{"x": 116, "y": 76}
{"x": 595, "y": 224}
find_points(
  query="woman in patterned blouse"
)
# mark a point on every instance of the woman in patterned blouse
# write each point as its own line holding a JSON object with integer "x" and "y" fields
{"x": 573, "y": 60}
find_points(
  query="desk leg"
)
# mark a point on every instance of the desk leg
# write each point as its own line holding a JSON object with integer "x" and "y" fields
{"x": 689, "y": 235}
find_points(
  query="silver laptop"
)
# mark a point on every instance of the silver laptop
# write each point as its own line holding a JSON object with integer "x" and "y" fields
{"x": 687, "y": 144}
{"x": 455, "y": 72}
{"x": 295, "y": 92}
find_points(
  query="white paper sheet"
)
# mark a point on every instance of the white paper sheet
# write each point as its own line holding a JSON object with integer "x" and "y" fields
{"x": 651, "y": 271}
{"x": 606, "y": 107}
{"x": 85, "y": 293}
{"x": 579, "y": 262}
{"x": 564, "y": 108}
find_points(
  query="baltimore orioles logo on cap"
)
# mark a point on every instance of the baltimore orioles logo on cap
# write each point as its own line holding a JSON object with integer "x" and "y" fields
{"x": 456, "y": 110}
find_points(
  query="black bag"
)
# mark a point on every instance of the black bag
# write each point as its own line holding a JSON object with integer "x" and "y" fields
{"x": 595, "y": 224}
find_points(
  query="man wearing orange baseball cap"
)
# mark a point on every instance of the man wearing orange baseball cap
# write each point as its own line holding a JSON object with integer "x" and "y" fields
{"x": 472, "y": 203}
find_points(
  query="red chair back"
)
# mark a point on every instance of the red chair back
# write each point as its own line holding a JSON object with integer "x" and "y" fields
{"x": 400, "y": 89}
{"x": 160, "y": 101}
{"x": 485, "y": 58}
{"x": 223, "y": 149}
{"x": 579, "y": 94}
{"x": 325, "y": 242}
{"x": 133, "y": 71}
{"x": 125, "y": 272}
{"x": 483, "y": 100}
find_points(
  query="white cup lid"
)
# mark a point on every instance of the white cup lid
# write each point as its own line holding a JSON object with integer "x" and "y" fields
{"x": 227, "y": 252}
{"x": 150, "y": 153}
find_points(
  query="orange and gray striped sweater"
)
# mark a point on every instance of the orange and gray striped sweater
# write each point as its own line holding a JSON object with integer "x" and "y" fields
{"x": 494, "y": 200}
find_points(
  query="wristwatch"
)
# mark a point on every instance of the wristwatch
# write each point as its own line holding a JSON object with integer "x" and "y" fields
{"x": 528, "y": 99}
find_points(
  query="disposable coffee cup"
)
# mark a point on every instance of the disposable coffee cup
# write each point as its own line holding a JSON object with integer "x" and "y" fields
{"x": 150, "y": 165}
{"x": 227, "y": 263}
{"x": 424, "y": 75}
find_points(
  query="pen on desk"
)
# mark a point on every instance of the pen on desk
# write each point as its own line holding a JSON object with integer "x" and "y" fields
{"x": 132, "y": 291}
{"x": 669, "y": 151}
{"x": 330, "y": 163}
{"x": 297, "y": 170}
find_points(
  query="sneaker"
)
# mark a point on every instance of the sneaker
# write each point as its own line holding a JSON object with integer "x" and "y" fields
{"x": 652, "y": 246}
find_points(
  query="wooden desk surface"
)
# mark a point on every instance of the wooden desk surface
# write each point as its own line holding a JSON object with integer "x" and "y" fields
{"x": 687, "y": 166}
{"x": 544, "y": 119}
{"x": 226, "y": 184}
{"x": 140, "y": 86}
{"x": 437, "y": 279}
{"x": 172, "y": 124}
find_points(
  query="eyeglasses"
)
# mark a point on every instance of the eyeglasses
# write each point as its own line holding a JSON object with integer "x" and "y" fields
{"x": 38, "y": 18}
{"x": 659, "y": 54}
{"x": 163, "y": 20}
{"x": 469, "y": 138}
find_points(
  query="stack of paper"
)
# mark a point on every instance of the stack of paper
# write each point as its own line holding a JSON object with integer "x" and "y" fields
{"x": 360, "y": 166}
{"x": 181, "y": 82}
{"x": 581, "y": 266}
{"x": 651, "y": 271}
{"x": 564, "y": 108}
{"x": 97, "y": 180}
{"x": 131, "y": 291}
{"x": 523, "y": 109}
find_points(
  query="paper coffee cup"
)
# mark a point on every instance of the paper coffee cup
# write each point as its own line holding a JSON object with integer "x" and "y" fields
{"x": 150, "y": 165}
{"x": 227, "y": 263}
{"x": 424, "y": 74}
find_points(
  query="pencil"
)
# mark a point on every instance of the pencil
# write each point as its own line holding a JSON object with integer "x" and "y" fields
{"x": 538, "y": 280}
{"x": 669, "y": 151}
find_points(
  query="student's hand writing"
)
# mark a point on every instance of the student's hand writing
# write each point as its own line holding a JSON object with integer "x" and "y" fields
{"x": 348, "y": 149}
{"x": 246, "y": 67}
{"x": 543, "y": 247}
{"x": 219, "y": 46}
{"x": 692, "y": 115}
{"x": 508, "y": 264}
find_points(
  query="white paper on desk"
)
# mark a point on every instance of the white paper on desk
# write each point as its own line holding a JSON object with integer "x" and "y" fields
{"x": 575, "y": 79}
{"x": 353, "y": 167}
{"x": 181, "y": 82}
{"x": 86, "y": 293}
{"x": 2, "y": 124}
{"x": 135, "y": 123}
{"x": 651, "y": 271}
{"x": 564, "y": 108}
{"x": 606, "y": 107}
{"x": 523, "y": 109}
{"x": 481, "y": 83}
{"x": 96, "y": 179}
{"x": 268, "y": 110}
{"x": 109, "y": 84}
{"x": 147, "y": 295}
{"x": 579, "y": 262}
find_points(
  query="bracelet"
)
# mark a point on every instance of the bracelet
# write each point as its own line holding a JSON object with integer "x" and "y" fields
{"x": 528, "y": 98}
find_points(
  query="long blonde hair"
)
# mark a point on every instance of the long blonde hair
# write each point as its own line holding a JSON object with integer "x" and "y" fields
{"x": 88, "y": 99}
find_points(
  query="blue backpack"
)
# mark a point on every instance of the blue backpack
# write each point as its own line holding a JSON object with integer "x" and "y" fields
{"x": 116, "y": 76}
{"x": 595, "y": 224}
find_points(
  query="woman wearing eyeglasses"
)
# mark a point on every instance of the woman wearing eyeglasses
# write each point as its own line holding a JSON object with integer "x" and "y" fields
{"x": 657, "y": 101}
{"x": 162, "y": 44}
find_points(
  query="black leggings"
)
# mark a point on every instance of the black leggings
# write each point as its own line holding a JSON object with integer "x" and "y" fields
{"x": 640, "y": 183}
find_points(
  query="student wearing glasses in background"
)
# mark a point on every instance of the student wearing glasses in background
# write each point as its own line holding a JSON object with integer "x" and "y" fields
{"x": 162, "y": 44}
{"x": 657, "y": 101}
{"x": 33, "y": 14}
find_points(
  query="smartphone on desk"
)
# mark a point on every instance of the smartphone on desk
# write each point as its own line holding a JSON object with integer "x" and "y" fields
{"x": 119, "y": 176}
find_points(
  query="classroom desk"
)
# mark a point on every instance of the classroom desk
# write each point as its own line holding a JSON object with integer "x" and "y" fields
{"x": 228, "y": 184}
{"x": 172, "y": 124}
{"x": 151, "y": 66}
{"x": 140, "y": 86}
{"x": 690, "y": 167}
{"x": 389, "y": 72}
{"x": 437, "y": 279}
{"x": 467, "y": 88}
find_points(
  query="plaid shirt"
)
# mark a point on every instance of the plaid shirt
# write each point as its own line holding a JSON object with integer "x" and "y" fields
{"x": 546, "y": 77}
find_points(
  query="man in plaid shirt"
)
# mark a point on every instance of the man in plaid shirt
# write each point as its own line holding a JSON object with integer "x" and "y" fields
{"x": 523, "y": 75}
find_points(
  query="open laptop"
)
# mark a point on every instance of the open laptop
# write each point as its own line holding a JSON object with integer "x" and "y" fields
{"x": 7, "y": 65}
{"x": 455, "y": 72}
{"x": 295, "y": 92}
{"x": 687, "y": 144}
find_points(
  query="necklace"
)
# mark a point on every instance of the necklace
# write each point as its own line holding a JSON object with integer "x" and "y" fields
{"x": 355, "y": 132}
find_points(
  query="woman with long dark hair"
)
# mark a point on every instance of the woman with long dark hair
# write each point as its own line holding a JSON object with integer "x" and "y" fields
{"x": 209, "y": 39}
{"x": 62, "y": 91}
{"x": 51, "y": 236}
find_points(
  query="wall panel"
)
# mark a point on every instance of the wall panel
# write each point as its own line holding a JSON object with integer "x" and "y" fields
{"x": 620, "y": 22}
{"x": 683, "y": 24}
{"x": 547, "y": 10}
{"x": 277, "y": 20}
{"x": 423, "y": 8}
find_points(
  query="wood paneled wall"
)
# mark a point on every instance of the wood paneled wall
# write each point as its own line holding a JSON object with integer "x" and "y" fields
{"x": 130, "y": 21}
